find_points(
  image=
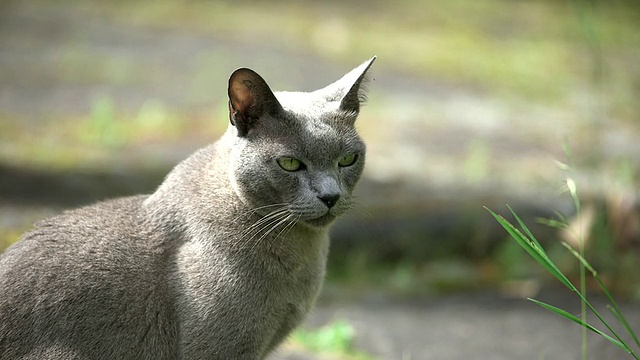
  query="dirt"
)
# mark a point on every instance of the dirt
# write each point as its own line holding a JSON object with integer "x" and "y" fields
{"x": 483, "y": 326}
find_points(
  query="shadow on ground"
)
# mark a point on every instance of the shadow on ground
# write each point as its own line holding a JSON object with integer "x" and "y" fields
{"x": 72, "y": 187}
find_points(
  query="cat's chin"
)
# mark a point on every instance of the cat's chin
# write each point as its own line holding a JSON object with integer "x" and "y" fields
{"x": 321, "y": 222}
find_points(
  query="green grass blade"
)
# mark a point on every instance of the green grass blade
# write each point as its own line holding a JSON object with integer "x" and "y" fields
{"x": 553, "y": 223}
{"x": 567, "y": 152}
{"x": 605, "y": 323}
{"x": 521, "y": 239}
{"x": 581, "y": 258}
{"x": 579, "y": 321}
{"x": 614, "y": 308}
{"x": 561, "y": 217}
{"x": 573, "y": 191}
{"x": 526, "y": 230}
{"x": 534, "y": 249}
{"x": 614, "y": 312}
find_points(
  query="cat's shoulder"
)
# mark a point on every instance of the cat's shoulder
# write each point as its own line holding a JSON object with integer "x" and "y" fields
{"x": 99, "y": 215}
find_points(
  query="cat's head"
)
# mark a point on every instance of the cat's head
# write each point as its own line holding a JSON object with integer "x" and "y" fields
{"x": 296, "y": 156}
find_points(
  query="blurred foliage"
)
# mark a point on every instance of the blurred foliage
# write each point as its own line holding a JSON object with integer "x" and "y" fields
{"x": 97, "y": 139}
{"x": 551, "y": 50}
{"x": 335, "y": 338}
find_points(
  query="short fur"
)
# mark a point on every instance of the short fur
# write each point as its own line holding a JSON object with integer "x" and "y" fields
{"x": 221, "y": 262}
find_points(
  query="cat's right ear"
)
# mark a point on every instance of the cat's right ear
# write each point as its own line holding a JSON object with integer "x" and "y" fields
{"x": 349, "y": 90}
{"x": 249, "y": 99}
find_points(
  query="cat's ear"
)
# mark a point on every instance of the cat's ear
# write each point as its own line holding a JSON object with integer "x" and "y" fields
{"x": 249, "y": 99}
{"x": 349, "y": 90}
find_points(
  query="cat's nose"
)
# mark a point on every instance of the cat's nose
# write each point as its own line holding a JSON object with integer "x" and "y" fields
{"x": 329, "y": 199}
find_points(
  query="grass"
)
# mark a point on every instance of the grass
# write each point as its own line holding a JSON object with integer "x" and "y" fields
{"x": 334, "y": 339}
{"x": 525, "y": 238}
{"x": 541, "y": 49}
{"x": 534, "y": 50}
{"x": 403, "y": 278}
{"x": 529, "y": 243}
{"x": 102, "y": 136}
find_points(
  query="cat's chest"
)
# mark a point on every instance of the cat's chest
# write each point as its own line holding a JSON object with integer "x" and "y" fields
{"x": 223, "y": 292}
{"x": 293, "y": 267}
{"x": 289, "y": 269}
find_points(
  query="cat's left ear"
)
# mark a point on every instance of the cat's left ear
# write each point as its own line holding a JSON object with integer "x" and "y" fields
{"x": 349, "y": 90}
{"x": 249, "y": 99}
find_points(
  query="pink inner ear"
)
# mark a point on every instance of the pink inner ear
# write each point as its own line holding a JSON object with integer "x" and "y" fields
{"x": 240, "y": 96}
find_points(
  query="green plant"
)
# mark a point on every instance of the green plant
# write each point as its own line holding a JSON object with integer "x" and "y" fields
{"x": 102, "y": 127}
{"x": 530, "y": 244}
{"x": 335, "y": 338}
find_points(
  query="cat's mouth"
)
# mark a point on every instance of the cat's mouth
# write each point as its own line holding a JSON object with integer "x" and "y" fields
{"x": 321, "y": 221}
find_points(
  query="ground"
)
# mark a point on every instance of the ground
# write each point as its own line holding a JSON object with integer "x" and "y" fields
{"x": 438, "y": 151}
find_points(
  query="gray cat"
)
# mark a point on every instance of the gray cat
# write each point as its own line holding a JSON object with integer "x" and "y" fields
{"x": 221, "y": 262}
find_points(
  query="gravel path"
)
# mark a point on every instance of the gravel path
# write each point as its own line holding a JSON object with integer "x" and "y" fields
{"x": 482, "y": 326}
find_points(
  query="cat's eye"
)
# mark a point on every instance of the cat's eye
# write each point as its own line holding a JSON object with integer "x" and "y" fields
{"x": 290, "y": 164}
{"x": 348, "y": 160}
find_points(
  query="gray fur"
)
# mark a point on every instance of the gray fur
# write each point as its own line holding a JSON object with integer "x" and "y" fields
{"x": 221, "y": 262}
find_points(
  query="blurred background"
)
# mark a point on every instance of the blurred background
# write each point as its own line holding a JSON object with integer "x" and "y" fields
{"x": 471, "y": 104}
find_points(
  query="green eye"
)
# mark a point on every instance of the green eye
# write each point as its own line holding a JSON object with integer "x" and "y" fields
{"x": 348, "y": 160}
{"x": 289, "y": 164}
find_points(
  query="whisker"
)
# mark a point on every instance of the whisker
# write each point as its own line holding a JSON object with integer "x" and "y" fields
{"x": 266, "y": 207}
{"x": 266, "y": 218}
{"x": 278, "y": 223}
{"x": 264, "y": 226}
{"x": 285, "y": 229}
